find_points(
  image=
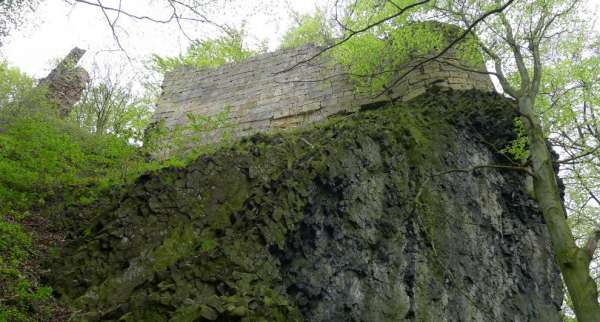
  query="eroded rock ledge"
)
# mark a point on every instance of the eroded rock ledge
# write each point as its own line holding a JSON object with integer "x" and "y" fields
{"x": 358, "y": 219}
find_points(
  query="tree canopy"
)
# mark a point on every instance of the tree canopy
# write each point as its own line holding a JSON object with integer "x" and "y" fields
{"x": 228, "y": 48}
{"x": 313, "y": 29}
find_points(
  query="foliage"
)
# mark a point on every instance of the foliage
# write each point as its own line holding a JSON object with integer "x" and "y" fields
{"x": 179, "y": 144}
{"x": 374, "y": 57}
{"x": 21, "y": 297}
{"x": 17, "y": 90}
{"x": 309, "y": 29}
{"x": 211, "y": 53}
{"x": 45, "y": 160}
{"x": 108, "y": 107}
{"x": 568, "y": 109}
{"x": 42, "y": 158}
{"x": 518, "y": 148}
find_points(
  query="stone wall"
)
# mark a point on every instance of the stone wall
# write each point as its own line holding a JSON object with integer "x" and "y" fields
{"x": 262, "y": 98}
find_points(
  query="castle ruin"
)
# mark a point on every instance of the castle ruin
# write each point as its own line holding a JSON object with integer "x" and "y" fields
{"x": 287, "y": 89}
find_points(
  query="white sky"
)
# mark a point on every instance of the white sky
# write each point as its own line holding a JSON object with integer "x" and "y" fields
{"x": 56, "y": 27}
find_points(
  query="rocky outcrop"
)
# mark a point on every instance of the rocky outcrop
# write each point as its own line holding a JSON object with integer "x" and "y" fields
{"x": 296, "y": 87}
{"x": 66, "y": 82}
{"x": 383, "y": 215}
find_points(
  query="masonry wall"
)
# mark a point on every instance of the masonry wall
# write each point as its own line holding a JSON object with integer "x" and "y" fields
{"x": 262, "y": 98}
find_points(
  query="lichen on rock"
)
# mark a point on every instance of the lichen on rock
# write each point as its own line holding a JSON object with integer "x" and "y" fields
{"x": 358, "y": 219}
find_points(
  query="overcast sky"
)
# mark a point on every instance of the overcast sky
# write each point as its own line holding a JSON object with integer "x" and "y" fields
{"x": 56, "y": 27}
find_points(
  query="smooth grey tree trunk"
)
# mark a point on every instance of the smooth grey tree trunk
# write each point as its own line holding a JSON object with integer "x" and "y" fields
{"x": 573, "y": 261}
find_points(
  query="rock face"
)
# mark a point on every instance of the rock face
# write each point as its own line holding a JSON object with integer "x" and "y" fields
{"x": 368, "y": 217}
{"x": 66, "y": 82}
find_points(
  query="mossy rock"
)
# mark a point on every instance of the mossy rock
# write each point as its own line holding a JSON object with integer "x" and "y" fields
{"x": 350, "y": 220}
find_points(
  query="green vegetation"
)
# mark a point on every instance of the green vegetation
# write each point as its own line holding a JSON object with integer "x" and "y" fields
{"x": 108, "y": 107}
{"x": 518, "y": 148}
{"x": 21, "y": 297}
{"x": 309, "y": 29}
{"x": 45, "y": 161}
{"x": 211, "y": 53}
{"x": 44, "y": 158}
{"x": 375, "y": 57}
{"x": 179, "y": 145}
{"x": 541, "y": 58}
{"x": 49, "y": 164}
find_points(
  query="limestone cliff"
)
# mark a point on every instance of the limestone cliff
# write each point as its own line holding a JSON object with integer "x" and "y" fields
{"x": 368, "y": 217}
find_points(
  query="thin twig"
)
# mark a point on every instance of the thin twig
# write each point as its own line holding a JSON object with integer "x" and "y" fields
{"x": 487, "y": 166}
{"x": 352, "y": 34}
{"x": 450, "y": 46}
{"x": 112, "y": 28}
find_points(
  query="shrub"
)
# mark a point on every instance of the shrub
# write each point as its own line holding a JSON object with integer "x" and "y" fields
{"x": 42, "y": 156}
{"x": 48, "y": 164}
{"x": 21, "y": 297}
{"x": 44, "y": 159}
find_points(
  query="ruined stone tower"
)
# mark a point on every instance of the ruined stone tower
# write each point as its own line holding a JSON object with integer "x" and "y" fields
{"x": 66, "y": 82}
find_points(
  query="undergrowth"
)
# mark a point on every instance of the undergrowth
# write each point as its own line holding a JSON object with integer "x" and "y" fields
{"x": 49, "y": 165}
{"x": 22, "y": 297}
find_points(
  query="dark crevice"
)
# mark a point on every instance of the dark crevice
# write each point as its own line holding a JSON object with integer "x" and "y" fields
{"x": 410, "y": 250}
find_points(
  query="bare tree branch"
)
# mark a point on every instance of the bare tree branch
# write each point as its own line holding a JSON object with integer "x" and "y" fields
{"x": 175, "y": 15}
{"x": 516, "y": 50}
{"x": 579, "y": 156}
{"x": 111, "y": 24}
{"x": 489, "y": 166}
{"x": 130, "y": 15}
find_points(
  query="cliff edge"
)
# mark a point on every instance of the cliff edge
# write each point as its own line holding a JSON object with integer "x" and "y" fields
{"x": 375, "y": 216}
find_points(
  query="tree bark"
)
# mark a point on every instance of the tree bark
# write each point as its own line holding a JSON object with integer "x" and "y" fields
{"x": 573, "y": 261}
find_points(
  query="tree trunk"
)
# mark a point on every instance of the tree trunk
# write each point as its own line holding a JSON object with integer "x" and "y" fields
{"x": 573, "y": 261}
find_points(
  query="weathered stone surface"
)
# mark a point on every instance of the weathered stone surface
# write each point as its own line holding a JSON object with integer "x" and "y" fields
{"x": 66, "y": 82}
{"x": 364, "y": 218}
{"x": 257, "y": 90}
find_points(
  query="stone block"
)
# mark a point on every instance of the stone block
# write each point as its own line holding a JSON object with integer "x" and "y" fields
{"x": 262, "y": 99}
{"x": 413, "y": 93}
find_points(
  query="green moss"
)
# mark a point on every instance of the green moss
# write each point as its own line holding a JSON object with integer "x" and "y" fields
{"x": 199, "y": 242}
{"x": 22, "y": 297}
